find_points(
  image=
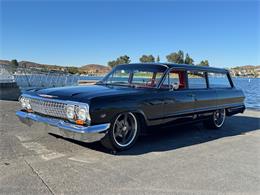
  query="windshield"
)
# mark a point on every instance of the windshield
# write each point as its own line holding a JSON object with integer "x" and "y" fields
{"x": 147, "y": 76}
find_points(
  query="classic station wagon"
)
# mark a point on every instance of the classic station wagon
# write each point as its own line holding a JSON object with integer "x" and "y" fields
{"x": 131, "y": 98}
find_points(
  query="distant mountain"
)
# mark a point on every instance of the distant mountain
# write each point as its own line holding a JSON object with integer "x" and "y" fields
{"x": 28, "y": 64}
{"x": 94, "y": 69}
{"x": 97, "y": 69}
{"x": 4, "y": 62}
{"x": 246, "y": 67}
{"x": 246, "y": 71}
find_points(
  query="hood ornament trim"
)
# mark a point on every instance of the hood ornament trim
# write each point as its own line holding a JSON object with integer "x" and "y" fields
{"x": 47, "y": 96}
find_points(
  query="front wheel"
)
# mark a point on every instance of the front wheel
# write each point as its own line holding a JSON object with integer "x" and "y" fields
{"x": 217, "y": 120}
{"x": 123, "y": 132}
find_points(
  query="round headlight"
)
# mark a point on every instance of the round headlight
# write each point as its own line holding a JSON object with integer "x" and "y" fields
{"x": 70, "y": 111}
{"x": 25, "y": 103}
{"x": 82, "y": 113}
{"x": 22, "y": 101}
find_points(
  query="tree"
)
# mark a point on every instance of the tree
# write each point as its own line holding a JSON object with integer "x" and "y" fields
{"x": 72, "y": 70}
{"x": 124, "y": 59}
{"x": 188, "y": 59}
{"x": 172, "y": 57}
{"x": 13, "y": 66}
{"x": 158, "y": 59}
{"x": 120, "y": 60}
{"x": 204, "y": 63}
{"x": 112, "y": 63}
{"x": 147, "y": 58}
{"x": 176, "y": 57}
{"x": 14, "y": 63}
{"x": 181, "y": 57}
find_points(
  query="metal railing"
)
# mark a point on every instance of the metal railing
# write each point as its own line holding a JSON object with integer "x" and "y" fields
{"x": 27, "y": 78}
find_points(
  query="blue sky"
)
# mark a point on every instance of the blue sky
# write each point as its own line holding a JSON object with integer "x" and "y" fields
{"x": 82, "y": 32}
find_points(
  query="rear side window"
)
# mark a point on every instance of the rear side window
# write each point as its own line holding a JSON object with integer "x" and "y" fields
{"x": 175, "y": 80}
{"x": 197, "y": 80}
{"x": 218, "y": 80}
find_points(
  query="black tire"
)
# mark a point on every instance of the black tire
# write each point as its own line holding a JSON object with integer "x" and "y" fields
{"x": 123, "y": 133}
{"x": 217, "y": 120}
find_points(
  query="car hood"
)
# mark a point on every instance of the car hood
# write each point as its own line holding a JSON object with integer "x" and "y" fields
{"x": 84, "y": 92}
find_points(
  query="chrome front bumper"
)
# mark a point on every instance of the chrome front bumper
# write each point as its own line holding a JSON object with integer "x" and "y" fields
{"x": 66, "y": 129}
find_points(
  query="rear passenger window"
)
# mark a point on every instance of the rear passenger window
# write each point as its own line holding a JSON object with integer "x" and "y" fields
{"x": 175, "y": 80}
{"x": 218, "y": 80}
{"x": 197, "y": 80}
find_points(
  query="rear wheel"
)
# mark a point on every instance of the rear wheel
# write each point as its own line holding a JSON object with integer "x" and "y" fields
{"x": 123, "y": 132}
{"x": 217, "y": 120}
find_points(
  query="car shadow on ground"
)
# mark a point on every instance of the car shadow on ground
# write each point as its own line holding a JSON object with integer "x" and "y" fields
{"x": 171, "y": 138}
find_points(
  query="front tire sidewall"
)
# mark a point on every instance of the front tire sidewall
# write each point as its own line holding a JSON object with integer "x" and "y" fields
{"x": 109, "y": 140}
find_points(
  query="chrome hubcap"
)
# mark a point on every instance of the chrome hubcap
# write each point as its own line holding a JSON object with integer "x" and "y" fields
{"x": 219, "y": 117}
{"x": 124, "y": 130}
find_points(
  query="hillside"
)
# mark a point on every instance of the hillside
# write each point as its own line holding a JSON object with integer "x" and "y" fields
{"x": 4, "y": 62}
{"x": 246, "y": 71}
{"x": 86, "y": 69}
{"x": 28, "y": 64}
{"x": 246, "y": 67}
{"x": 97, "y": 69}
{"x": 94, "y": 69}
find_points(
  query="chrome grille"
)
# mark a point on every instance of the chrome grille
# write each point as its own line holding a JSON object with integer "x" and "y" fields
{"x": 48, "y": 107}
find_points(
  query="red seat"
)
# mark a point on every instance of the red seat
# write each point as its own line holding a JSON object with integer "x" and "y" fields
{"x": 181, "y": 86}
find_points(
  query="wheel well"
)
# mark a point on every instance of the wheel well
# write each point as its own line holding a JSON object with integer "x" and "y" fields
{"x": 141, "y": 120}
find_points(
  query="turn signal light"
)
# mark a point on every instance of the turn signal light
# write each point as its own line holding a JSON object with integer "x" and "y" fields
{"x": 29, "y": 110}
{"x": 80, "y": 122}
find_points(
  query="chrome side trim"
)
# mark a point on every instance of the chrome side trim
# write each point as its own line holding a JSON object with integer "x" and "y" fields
{"x": 69, "y": 130}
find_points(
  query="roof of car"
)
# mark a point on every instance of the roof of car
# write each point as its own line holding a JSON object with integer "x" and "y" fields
{"x": 184, "y": 66}
{"x": 195, "y": 67}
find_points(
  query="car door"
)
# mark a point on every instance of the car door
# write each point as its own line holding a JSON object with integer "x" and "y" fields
{"x": 178, "y": 101}
{"x": 151, "y": 103}
{"x": 205, "y": 98}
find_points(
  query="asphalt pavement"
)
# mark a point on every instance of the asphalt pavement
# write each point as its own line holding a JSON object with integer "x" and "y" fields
{"x": 178, "y": 160}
